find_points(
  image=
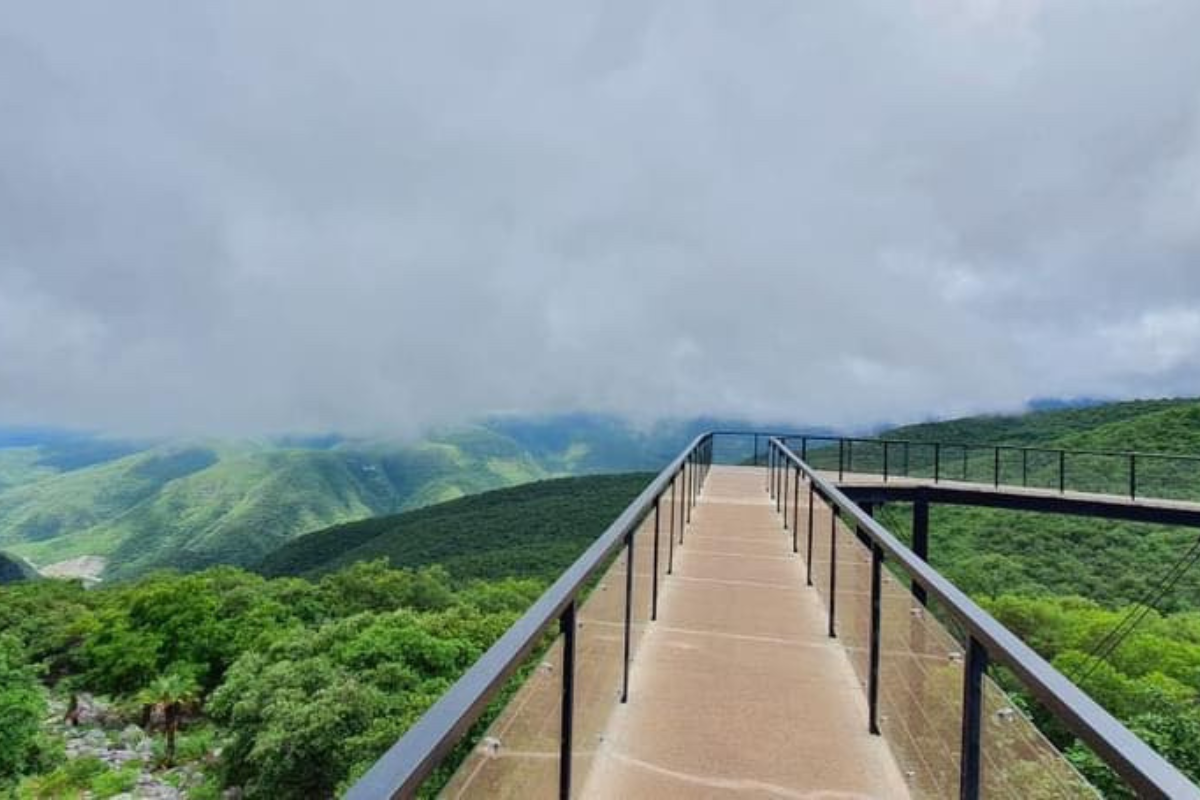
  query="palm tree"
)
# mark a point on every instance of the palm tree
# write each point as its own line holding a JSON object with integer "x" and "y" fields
{"x": 171, "y": 693}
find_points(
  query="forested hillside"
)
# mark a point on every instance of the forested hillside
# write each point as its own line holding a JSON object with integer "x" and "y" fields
{"x": 192, "y": 504}
{"x": 1166, "y": 426}
{"x": 534, "y": 530}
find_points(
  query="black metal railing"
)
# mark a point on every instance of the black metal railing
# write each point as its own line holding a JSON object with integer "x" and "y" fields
{"x": 1133, "y": 474}
{"x": 667, "y": 503}
{"x": 987, "y": 642}
{"x": 406, "y": 765}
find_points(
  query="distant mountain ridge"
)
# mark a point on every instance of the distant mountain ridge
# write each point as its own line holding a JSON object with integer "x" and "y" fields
{"x": 1165, "y": 426}
{"x": 189, "y": 504}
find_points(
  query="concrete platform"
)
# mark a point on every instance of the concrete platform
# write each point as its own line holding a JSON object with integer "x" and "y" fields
{"x": 737, "y": 691}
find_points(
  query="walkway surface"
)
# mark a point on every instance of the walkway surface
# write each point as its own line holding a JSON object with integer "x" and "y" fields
{"x": 737, "y": 690}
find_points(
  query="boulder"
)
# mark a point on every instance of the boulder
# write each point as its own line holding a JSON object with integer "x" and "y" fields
{"x": 132, "y": 736}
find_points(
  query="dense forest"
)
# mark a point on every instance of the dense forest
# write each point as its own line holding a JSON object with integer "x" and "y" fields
{"x": 533, "y": 529}
{"x": 285, "y": 688}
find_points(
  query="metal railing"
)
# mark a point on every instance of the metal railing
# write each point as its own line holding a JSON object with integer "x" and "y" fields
{"x": 1134, "y": 474}
{"x": 401, "y": 771}
{"x": 672, "y": 495}
{"x": 987, "y": 642}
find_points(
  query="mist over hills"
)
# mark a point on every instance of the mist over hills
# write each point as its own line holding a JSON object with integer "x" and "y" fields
{"x": 505, "y": 532}
{"x": 192, "y": 503}
{"x": 189, "y": 504}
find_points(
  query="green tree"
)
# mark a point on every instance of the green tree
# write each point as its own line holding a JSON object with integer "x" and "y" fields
{"x": 22, "y": 707}
{"x": 171, "y": 694}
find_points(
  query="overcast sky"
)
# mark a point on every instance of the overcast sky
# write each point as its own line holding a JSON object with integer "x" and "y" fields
{"x": 243, "y": 217}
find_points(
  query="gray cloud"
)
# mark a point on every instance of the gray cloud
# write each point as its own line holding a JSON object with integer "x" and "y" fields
{"x": 236, "y": 217}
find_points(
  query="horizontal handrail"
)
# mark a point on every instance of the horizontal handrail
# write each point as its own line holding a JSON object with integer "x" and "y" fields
{"x": 1128, "y": 461}
{"x": 825, "y": 437}
{"x": 1145, "y": 770}
{"x": 406, "y": 765}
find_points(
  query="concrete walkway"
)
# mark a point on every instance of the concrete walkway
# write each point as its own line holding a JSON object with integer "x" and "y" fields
{"x": 737, "y": 691}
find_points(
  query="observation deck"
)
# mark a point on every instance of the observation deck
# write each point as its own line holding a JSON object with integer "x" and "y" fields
{"x": 752, "y": 632}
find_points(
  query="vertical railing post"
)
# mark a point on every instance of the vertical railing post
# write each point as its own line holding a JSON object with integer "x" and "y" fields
{"x": 996, "y": 469}
{"x": 885, "y": 462}
{"x": 671, "y": 533}
{"x": 787, "y": 478}
{"x": 685, "y": 510}
{"x": 767, "y": 468}
{"x": 780, "y": 478}
{"x": 1062, "y": 471}
{"x": 780, "y": 468}
{"x": 808, "y": 564}
{"x": 691, "y": 486}
{"x": 796, "y": 513}
{"x": 696, "y": 469}
{"x": 841, "y": 459}
{"x": 695, "y": 477}
{"x": 1024, "y": 466}
{"x": 850, "y": 456}
{"x": 695, "y": 484}
{"x": 804, "y": 449}
{"x": 683, "y": 499}
{"x": 907, "y": 463}
{"x": 628, "y": 612}
{"x": 876, "y": 605}
{"x": 755, "y": 462}
{"x": 654, "y": 585}
{"x": 920, "y": 541}
{"x": 833, "y": 516}
{"x": 972, "y": 720}
{"x": 1133, "y": 476}
{"x": 566, "y": 624}
{"x": 965, "y": 465}
{"x": 937, "y": 461}
{"x": 781, "y": 493}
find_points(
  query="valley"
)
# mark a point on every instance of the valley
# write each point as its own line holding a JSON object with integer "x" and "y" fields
{"x": 188, "y": 505}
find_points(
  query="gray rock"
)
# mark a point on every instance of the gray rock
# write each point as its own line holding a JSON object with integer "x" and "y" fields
{"x": 89, "y": 711}
{"x": 132, "y": 736}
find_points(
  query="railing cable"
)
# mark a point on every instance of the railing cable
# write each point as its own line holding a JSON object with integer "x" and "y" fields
{"x": 1135, "y": 614}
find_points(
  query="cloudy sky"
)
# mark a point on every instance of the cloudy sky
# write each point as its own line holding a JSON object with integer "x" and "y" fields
{"x": 253, "y": 217}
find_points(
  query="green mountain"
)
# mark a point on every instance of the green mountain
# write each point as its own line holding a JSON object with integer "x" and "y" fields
{"x": 191, "y": 504}
{"x": 534, "y": 530}
{"x": 1166, "y": 426}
